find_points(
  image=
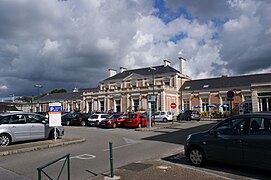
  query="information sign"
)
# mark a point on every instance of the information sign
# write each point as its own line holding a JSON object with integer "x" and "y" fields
{"x": 54, "y": 114}
{"x": 151, "y": 98}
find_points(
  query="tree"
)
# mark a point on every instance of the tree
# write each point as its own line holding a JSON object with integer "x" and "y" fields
{"x": 58, "y": 91}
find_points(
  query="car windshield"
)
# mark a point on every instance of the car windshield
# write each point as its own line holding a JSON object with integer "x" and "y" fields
{"x": 187, "y": 112}
{"x": 131, "y": 115}
{"x": 1, "y": 119}
{"x": 94, "y": 116}
{"x": 113, "y": 116}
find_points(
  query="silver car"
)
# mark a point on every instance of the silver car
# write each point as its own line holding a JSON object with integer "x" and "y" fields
{"x": 163, "y": 116}
{"x": 25, "y": 126}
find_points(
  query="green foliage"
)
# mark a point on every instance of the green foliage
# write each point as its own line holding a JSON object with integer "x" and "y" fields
{"x": 25, "y": 99}
{"x": 58, "y": 91}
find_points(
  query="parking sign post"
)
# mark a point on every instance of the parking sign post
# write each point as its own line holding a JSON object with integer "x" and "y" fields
{"x": 151, "y": 99}
{"x": 173, "y": 109}
{"x": 54, "y": 116}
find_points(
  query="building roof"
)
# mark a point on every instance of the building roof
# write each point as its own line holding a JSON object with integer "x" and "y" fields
{"x": 144, "y": 72}
{"x": 61, "y": 96}
{"x": 89, "y": 89}
{"x": 226, "y": 82}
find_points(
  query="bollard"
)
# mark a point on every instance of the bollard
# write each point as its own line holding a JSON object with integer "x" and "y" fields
{"x": 111, "y": 160}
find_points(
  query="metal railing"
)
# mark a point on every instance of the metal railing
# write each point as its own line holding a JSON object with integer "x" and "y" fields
{"x": 66, "y": 161}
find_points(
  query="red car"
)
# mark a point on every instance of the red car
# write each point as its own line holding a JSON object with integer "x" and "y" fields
{"x": 75, "y": 118}
{"x": 136, "y": 120}
{"x": 113, "y": 121}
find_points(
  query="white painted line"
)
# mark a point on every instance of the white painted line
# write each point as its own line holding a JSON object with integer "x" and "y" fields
{"x": 85, "y": 156}
{"x": 117, "y": 147}
{"x": 128, "y": 143}
{"x": 131, "y": 141}
{"x": 82, "y": 157}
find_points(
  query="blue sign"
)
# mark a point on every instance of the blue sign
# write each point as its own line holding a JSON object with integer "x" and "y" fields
{"x": 55, "y": 109}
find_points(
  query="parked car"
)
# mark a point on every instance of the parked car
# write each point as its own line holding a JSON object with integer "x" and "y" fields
{"x": 189, "y": 115}
{"x": 75, "y": 118}
{"x": 25, "y": 126}
{"x": 136, "y": 120}
{"x": 95, "y": 119}
{"x": 243, "y": 140}
{"x": 113, "y": 121}
{"x": 163, "y": 116}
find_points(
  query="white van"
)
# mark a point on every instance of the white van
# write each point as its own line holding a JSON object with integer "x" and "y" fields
{"x": 163, "y": 116}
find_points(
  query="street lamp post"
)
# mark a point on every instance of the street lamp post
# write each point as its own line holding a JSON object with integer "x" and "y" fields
{"x": 181, "y": 90}
{"x": 181, "y": 87}
{"x": 11, "y": 96}
{"x": 38, "y": 86}
{"x": 153, "y": 103}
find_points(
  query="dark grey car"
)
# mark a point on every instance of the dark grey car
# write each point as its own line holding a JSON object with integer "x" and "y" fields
{"x": 25, "y": 126}
{"x": 243, "y": 140}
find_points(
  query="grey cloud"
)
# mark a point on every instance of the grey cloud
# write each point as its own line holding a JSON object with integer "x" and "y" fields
{"x": 75, "y": 27}
{"x": 67, "y": 44}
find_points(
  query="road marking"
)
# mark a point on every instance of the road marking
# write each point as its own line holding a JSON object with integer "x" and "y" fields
{"x": 82, "y": 157}
{"x": 117, "y": 147}
{"x": 129, "y": 142}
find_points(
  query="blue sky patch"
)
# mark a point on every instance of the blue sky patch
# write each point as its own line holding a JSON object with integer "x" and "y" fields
{"x": 167, "y": 15}
{"x": 178, "y": 37}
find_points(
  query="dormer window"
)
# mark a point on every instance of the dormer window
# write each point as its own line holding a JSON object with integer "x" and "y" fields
{"x": 133, "y": 84}
{"x": 187, "y": 87}
{"x": 118, "y": 86}
{"x": 167, "y": 81}
{"x": 205, "y": 85}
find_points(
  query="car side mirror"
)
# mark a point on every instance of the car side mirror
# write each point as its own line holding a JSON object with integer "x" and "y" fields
{"x": 213, "y": 132}
{"x": 43, "y": 122}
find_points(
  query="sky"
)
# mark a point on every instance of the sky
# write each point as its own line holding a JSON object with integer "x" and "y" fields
{"x": 72, "y": 43}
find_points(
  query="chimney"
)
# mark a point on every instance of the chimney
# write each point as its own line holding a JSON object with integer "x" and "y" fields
{"x": 166, "y": 63}
{"x": 112, "y": 72}
{"x": 182, "y": 60}
{"x": 122, "y": 69}
{"x": 75, "y": 90}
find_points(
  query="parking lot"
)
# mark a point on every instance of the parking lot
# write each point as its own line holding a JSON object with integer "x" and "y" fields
{"x": 90, "y": 158}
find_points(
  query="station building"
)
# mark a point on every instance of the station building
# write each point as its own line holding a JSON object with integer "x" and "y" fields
{"x": 129, "y": 90}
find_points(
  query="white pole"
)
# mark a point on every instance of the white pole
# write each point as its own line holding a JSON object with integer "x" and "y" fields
{"x": 55, "y": 133}
{"x": 149, "y": 119}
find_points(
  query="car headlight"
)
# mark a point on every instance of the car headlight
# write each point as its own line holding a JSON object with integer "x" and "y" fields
{"x": 109, "y": 122}
{"x": 188, "y": 137}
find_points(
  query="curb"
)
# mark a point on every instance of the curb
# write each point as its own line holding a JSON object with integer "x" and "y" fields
{"x": 40, "y": 147}
{"x": 156, "y": 127}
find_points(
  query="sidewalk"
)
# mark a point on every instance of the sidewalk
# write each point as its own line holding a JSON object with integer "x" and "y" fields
{"x": 37, "y": 145}
{"x": 157, "y": 170}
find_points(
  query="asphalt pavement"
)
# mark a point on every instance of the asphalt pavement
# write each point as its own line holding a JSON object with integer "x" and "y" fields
{"x": 148, "y": 170}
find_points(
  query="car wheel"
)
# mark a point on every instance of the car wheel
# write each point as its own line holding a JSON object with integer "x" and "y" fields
{"x": 83, "y": 123}
{"x": 188, "y": 119}
{"x": 139, "y": 125}
{"x": 114, "y": 125}
{"x": 197, "y": 156}
{"x": 52, "y": 135}
{"x": 165, "y": 120}
{"x": 5, "y": 140}
{"x": 68, "y": 123}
